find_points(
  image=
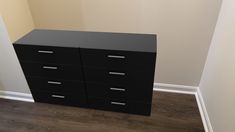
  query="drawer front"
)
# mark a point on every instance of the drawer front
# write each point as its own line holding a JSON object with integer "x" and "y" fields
{"x": 120, "y": 106}
{"x": 118, "y": 76}
{"x": 96, "y": 90}
{"x": 99, "y": 90}
{"x": 75, "y": 99}
{"x": 56, "y": 85}
{"x": 117, "y": 59}
{"x": 105, "y": 75}
{"x": 132, "y": 92}
{"x": 72, "y": 72}
{"x": 47, "y": 54}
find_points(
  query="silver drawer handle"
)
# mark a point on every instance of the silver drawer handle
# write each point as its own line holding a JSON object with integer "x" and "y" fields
{"x": 117, "y": 89}
{"x": 50, "y": 67}
{"x": 45, "y": 51}
{"x": 52, "y": 82}
{"x": 116, "y": 56}
{"x": 118, "y": 103}
{"x": 58, "y": 96}
{"x": 117, "y": 73}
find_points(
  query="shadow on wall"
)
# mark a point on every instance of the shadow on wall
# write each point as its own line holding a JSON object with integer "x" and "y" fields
{"x": 11, "y": 74}
{"x": 1, "y": 86}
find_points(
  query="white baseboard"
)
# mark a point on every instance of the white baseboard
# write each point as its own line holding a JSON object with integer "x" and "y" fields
{"x": 16, "y": 96}
{"x": 175, "y": 88}
{"x": 203, "y": 112}
{"x": 182, "y": 89}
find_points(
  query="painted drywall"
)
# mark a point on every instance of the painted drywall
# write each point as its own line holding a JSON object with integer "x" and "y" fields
{"x": 11, "y": 75}
{"x": 17, "y": 17}
{"x": 217, "y": 84}
{"x": 18, "y": 21}
{"x": 184, "y": 28}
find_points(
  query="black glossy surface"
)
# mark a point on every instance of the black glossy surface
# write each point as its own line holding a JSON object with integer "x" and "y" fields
{"x": 72, "y": 99}
{"x": 84, "y": 66}
{"x": 72, "y": 72}
{"x": 129, "y": 107}
{"x": 105, "y": 75}
{"x": 92, "y": 40}
{"x": 141, "y": 92}
{"x": 58, "y": 55}
{"x": 56, "y": 85}
{"x": 127, "y": 59}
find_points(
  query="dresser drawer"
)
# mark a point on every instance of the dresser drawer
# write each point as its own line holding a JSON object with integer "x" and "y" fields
{"x": 113, "y": 75}
{"x": 140, "y": 92}
{"x": 105, "y": 75}
{"x": 75, "y": 99}
{"x": 96, "y": 90}
{"x": 56, "y": 85}
{"x": 120, "y": 106}
{"x": 99, "y": 90}
{"x": 117, "y": 59}
{"x": 56, "y": 71}
{"x": 47, "y": 54}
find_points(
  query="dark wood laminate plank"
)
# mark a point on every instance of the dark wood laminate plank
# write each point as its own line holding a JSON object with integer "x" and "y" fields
{"x": 170, "y": 113}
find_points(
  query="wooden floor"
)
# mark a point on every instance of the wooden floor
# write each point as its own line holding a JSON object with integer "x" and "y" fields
{"x": 170, "y": 113}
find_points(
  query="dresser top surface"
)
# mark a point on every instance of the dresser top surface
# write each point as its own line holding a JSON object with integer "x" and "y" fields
{"x": 93, "y": 40}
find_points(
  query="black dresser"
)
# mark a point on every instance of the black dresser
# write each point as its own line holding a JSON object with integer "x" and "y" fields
{"x": 107, "y": 71}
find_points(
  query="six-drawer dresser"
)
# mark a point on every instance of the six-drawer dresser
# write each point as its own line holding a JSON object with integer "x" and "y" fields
{"x": 100, "y": 70}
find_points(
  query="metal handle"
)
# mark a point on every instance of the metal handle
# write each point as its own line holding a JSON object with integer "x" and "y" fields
{"x": 58, "y": 96}
{"x": 118, "y": 103}
{"x": 117, "y": 73}
{"x": 118, "y": 89}
{"x": 116, "y": 56}
{"x": 45, "y": 51}
{"x": 52, "y": 82}
{"x": 50, "y": 67}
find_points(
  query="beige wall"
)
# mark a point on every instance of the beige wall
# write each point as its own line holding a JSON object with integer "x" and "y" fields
{"x": 17, "y": 17}
{"x": 11, "y": 75}
{"x": 217, "y": 84}
{"x": 184, "y": 28}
